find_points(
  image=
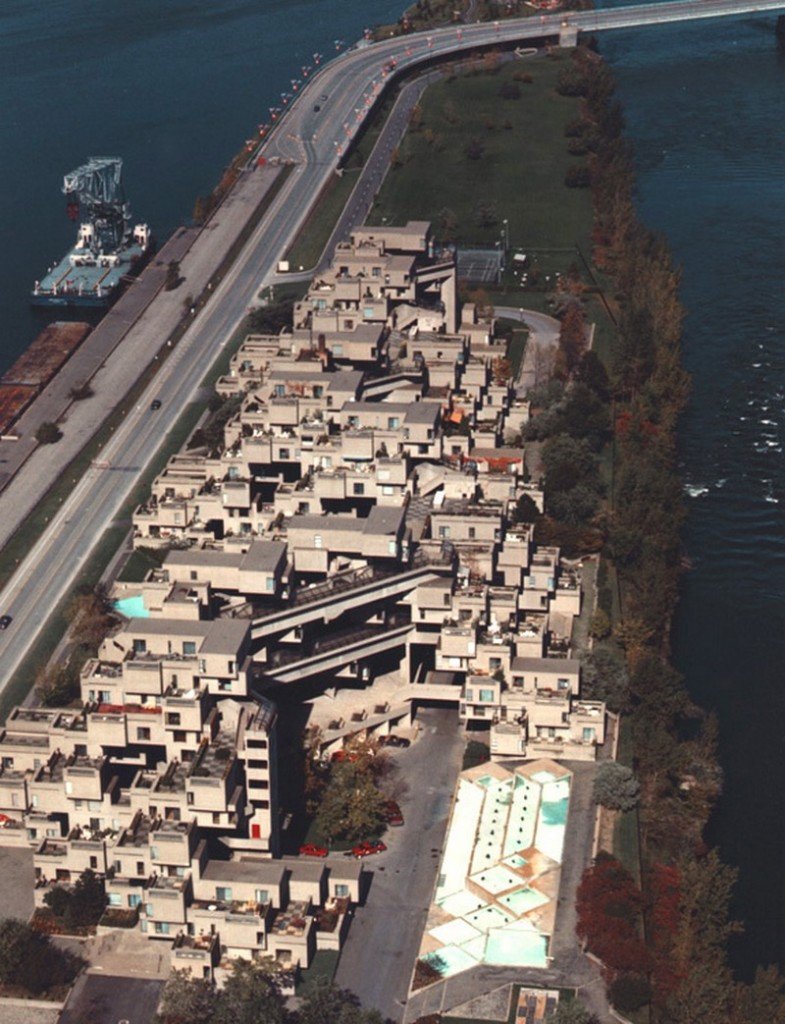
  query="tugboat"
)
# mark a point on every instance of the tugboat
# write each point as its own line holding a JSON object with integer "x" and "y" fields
{"x": 106, "y": 249}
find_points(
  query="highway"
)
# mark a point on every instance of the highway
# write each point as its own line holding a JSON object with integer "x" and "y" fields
{"x": 344, "y": 91}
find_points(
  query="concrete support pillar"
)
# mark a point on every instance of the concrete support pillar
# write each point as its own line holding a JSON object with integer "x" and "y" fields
{"x": 568, "y": 36}
{"x": 449, "y": 296}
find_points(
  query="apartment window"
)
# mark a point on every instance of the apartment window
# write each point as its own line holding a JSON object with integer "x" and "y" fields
{"x": 134, "y": 901}
{"x": 223, "y": 893}
{"x": 189, "y": 647}
{"x": 317, "y": 540}
{"x": 93, "y": 863}
{"x": 269, "y": 584}
{"x": 14, "y": 799}
{"x": 194, "y": 575}
{"x": 52, "y": 833}
{"x": 456, "y": 449}
{"x": 392, "y": 547}
{"x": 588, "y": 734}
{"x": 280, "y": 390}
{"x": 140, "y": 869}
{"x": 494, "y": 664}
{"x": 337, "y": 351}
{"x": 262, "y": 895}
{"x": 472, "y": 533}
{"x": 161, "y": 927}
{"x": 393, "y": 422}
{"x": 341, "y": 890}
{"x": 216, "y": 818}
{"x": 139, "y": 646}
{"x": 283, "y": 453}
{"x": 387, "y": 489}
{"x": 486, "y": 696}
{"x": 118, "y": 866}
{"x": 202, "y": 665}
{"x": 358, "y": 489}
{"x": 469, "y": 695}
{"x": 180, "y": 736}
{"x": 142, "y": 733}
{"x": 376, "y": 272}
{"x": 446, "y": 600}
{"x": 444, "y": 532}
{"x": 318, "y": 391}
{"x": 115, "y": 899}
{"x": 564, "y": 684}
{"x": 154, "y": 852}
{"x": 173, "y": 718}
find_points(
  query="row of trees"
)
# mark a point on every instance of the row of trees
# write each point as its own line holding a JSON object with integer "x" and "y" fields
{"x": 30, "y": 962}
{"x": 252, "y": 995}
{"x": 686, "y": 889}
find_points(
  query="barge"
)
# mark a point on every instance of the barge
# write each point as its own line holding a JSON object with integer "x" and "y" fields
{"x": 107, "y": 249}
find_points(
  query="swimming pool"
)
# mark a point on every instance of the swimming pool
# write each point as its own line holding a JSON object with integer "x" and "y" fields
{"x": 132, "y": 607}
{"x": 514, "y": 948}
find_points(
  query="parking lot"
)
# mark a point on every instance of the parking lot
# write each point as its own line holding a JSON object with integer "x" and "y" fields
{"x": 96, "y": 999}
{"x": 384, "y": 938}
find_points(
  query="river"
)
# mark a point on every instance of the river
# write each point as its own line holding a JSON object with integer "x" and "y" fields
{"x": 705, "y": 106}
{"x": 174, "y": 88}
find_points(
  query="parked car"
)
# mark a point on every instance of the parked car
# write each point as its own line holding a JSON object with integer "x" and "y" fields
{"x": 312, "y": 850}
{"x": 343, "y": 755}
{"x": 392, "y": 813}
{"x": 5, "y": 621}
{"x": 368, "y": 847}
{"x": 394, "y": 741}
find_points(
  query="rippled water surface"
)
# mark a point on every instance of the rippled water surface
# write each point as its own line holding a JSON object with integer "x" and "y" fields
{"x": 172, "y": 86}
{"x": 705, "y": 107}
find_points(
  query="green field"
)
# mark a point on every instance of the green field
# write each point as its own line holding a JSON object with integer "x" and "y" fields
{"x": 519, "y": 176}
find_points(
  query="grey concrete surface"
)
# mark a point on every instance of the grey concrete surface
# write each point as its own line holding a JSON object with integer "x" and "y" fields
{"x": 16, "y": 882}
{"x": 377, "y": 960}
{"x": 107, "y": 1000}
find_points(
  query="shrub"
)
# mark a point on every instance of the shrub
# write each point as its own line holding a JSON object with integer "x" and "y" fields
{"x": 616, "y": 787}
{"x": 48, "y": 433}
{"x": 475, "y": 753}
{"x": 629, "y": 992}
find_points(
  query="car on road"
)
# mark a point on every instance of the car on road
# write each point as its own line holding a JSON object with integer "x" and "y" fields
{"x": 394, "y": 741}
{"x": 5, "y": 621}
{"x": 312, "y": 850}
{"x": 316, "y": 108}
{"x": 368, "y": 847}
{"x": 392, "y": 813}
{"x": 155, "y": 404}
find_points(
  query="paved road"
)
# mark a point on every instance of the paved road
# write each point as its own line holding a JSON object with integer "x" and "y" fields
{"x": 543, "y": 334}
{"x": 343, "y": 91}
{"x": 378, "y": 958}
{"x": 106, "y": 1000}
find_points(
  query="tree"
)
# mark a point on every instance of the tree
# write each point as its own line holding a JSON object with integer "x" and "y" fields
{"x": 57, "y": 899}
{"x": 186, "y": 1000}
{"x": 325, "y": 1004}
{"x": 525, "y": 510}
{"x": 616, "y": 787}
{"x": 30, "y": 960}
{"x": 605, "y": 677}
{"x": 250, "y": 996}
{"x": 351, "y": 806}
{"x": 567, "y": 462}
{"x": 763, "y": 1000}
{"x": 600, "y": 625}
{"x": 48, "y": 433}
{"x": 173, "y": 279}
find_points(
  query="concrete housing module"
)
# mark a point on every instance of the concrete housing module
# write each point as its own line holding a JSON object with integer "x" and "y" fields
{"x": 359, "y": 511}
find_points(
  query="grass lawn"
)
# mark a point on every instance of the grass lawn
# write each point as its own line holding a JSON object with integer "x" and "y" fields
{"x": 519, "y": 177}
{"x": 626, "y": 847}
{"x": 323, "y": 968}
{"x": 139, "y": 563}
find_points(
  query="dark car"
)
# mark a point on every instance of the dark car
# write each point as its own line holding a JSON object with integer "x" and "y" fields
{"x": 395, "y": 741}
{"x": 392, "y": 813}
{"x": 316, "y": 108}
{"x": 5, "y": 621}
{"x": 155, "y": 404}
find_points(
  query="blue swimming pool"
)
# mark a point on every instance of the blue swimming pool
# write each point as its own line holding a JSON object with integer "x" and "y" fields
{"x": 132, "y": 607}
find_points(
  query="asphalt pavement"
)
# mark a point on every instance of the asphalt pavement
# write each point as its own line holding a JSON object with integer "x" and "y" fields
{"x": 378, "y": 957}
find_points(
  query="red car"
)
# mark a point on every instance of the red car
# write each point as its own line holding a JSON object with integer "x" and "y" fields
{"x": 368, "y": 847}
{"x": 343, "y": 755}
{"x": 310, "y": 850}
{"x": 392, "y": 813}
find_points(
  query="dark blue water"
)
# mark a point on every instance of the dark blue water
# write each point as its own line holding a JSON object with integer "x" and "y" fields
{"x": 172, "y": 86}
{"x": 705, "y": 107}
